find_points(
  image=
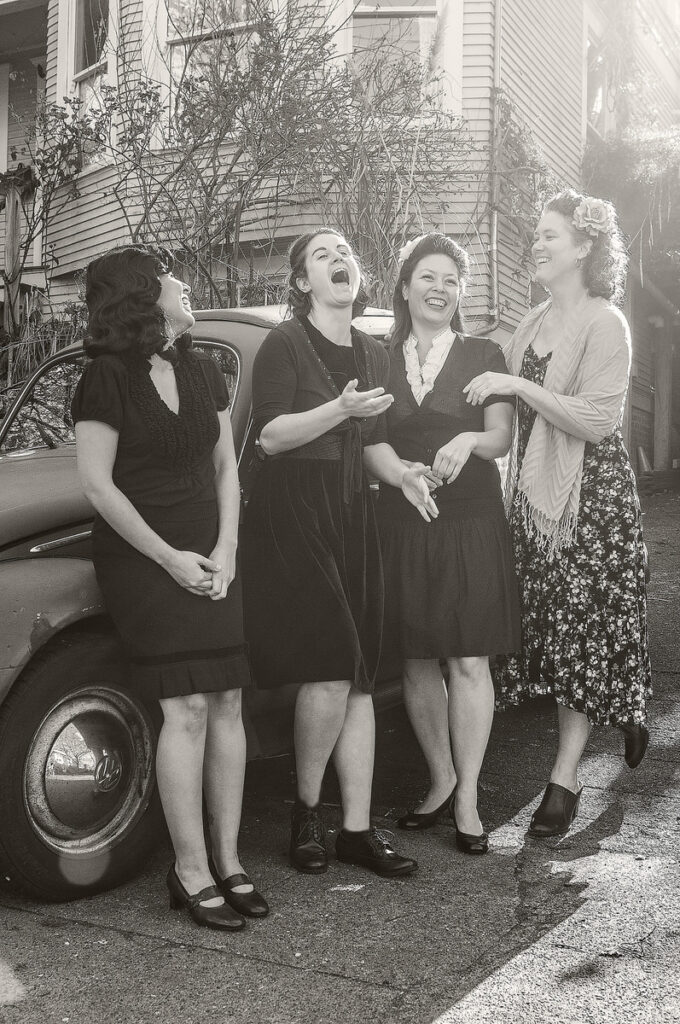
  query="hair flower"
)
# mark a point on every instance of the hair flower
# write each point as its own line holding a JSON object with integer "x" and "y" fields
{"x": 594, "y": 216}
{"x": 407, "y": 249}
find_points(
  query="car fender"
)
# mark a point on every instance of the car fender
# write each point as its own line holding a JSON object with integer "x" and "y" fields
{"x": 48, "y": 594}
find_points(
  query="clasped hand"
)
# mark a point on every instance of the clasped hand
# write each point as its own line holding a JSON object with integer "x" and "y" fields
{"x": 451, "y": 457}
{"x": 362, "y": 404}
{"x": 205, "y": 577}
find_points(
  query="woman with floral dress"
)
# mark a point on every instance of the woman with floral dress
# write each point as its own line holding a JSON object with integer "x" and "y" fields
{"x": 573, "y": 506}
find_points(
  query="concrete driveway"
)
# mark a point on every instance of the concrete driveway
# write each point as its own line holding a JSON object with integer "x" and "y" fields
{"x": 586, "y": 929}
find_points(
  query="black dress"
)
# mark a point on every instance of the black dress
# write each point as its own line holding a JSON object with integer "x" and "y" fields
{"x": 312, "y": 576}
{"x": 584, "y": 614}
{"x": 178, "y": 643}
{"x": 450, "y": 586}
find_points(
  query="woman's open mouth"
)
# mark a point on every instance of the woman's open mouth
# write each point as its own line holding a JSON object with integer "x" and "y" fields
{"x": 340, "y": 276}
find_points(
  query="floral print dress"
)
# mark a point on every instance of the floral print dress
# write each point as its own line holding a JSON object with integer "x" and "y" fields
{"x": 584, "y": 618}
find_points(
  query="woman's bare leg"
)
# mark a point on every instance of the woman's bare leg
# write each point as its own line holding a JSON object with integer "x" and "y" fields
{"x": 471, "y": 704}
{"x": 426, "y": 704}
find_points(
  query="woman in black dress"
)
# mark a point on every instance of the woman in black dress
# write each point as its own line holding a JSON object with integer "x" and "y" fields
{"x": 156, "y": 459}
{"x": 312, "y": 580}
{"x": 450, "y": 586}
{"x": 574, "y": 510}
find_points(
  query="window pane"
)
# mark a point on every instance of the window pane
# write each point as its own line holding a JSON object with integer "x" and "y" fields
{"x": 91, "y": 31}
{"x": 187, "y": 18}
{"x": 44, "y": 419}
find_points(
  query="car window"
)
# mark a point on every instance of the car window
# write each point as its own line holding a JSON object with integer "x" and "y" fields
{"x": 226, "y": 358}
{"x": 44, "y": 417}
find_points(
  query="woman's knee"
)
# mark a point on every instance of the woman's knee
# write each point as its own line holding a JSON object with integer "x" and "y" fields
{"x": 469, "y": 671}
{"x": 225, "y": 704}
{"x": 188, "y": 713}
{"x": 331, "y": 692}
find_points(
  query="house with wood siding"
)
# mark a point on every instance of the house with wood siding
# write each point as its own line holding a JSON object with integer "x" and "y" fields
{"x": 534, "y": 61}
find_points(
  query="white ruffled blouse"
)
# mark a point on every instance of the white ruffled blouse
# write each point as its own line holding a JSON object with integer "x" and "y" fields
{"x": 421, "y": 378}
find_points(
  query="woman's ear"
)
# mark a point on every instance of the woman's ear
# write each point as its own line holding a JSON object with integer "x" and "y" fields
{"x": 585, "y": 249}
{"x": 303, "y": 284}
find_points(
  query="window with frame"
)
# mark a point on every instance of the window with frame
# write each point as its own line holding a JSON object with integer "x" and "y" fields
{"x": 398, "y": 29}
{"x": 197, "y": 34}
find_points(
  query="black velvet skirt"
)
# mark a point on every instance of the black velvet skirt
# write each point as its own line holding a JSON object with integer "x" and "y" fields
{"x": 313, "y": 592}
{"x": 450, "y": 585}
{"x": 177, "y": 643}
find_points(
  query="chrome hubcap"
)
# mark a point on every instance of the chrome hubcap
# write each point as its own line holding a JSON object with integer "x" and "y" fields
{"x": 88, "y": 775}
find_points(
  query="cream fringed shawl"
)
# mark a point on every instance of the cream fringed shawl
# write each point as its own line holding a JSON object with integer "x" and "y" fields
{"x": 588, "y": 377}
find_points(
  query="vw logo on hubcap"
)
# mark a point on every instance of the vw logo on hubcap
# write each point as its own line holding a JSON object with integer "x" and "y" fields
{"x": 107, "y": 773}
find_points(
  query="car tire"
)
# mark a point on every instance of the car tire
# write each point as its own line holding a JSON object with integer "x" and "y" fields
{"x": 79, "y": 804}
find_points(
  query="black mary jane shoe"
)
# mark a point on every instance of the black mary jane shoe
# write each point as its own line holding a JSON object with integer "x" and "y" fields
{"x": 413, "y": 821}
{"x": 636, "y": 740}
{"x": 308, "y": 852}
{"x": 252, "y": 904}
{"x": 468, "y": 843}
{"x": 372, "y": 849}
{"x": 223, "y": 917}
{"x": 555, "y": 813}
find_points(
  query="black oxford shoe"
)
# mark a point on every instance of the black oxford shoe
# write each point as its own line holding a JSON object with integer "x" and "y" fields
{"x": 372, "y": 850}
{"x": 308, "y": 840}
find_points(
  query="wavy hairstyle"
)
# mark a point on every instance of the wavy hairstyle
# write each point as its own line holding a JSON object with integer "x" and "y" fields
{"x": 299, "y": 302}
{"x": 604, "y": 268}
{"x": 122, "y": 288}
{"x": 434, "y": 242}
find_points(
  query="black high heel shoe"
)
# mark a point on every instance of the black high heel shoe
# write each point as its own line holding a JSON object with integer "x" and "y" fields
{"x": 467, "y": 843}
{"x": 555, "y": 813}
{"x": 222, "y": 917}
{"x": 412, "y": 821}
{"x": 252, "y": 904}
{"x": 636, "y": 740}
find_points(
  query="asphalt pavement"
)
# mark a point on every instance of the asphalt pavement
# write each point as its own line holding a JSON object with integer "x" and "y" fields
{"x": 579, "y": 930}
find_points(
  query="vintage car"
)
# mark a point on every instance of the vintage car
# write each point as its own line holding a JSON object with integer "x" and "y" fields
{"x": 79, "y": 808}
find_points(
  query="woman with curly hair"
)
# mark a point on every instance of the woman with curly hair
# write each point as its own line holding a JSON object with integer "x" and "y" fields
{"x": 313, "y": 580}
{"x": 572, "y": 501}
{"x": 156, "y": 459}
{"x": 450, "y": 588}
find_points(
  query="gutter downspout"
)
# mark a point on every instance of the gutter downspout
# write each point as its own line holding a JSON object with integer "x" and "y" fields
{"x": 494, "y": 305}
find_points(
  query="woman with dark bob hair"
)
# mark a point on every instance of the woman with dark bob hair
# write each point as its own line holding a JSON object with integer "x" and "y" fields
{"x": 156, "y": 459}
{"x": 450, "y": 588}
{"x": 313, "y": 580}
{"x": 574, "y": 510}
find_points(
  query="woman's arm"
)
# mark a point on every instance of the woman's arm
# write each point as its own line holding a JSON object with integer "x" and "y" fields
{"x": 594, "y": 411}
{"x": 489, "y": 444}
{"x": 96, "y": 447}
{"x": 228, "y": 506}
{"x": 293, "y": 429}
{"x": 382, "y": 462}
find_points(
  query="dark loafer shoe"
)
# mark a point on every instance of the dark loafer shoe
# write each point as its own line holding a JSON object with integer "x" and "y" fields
{"x": 372, "y": 850}
{"x": 555, "y": 813}
{"x": 308, "y": 840}
{"x": 636, "y": 739}
{"x": 252, "y": 904}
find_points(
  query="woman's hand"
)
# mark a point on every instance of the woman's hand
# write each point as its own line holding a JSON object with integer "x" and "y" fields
{"x": 225, "y": 556}
{"x": 363, "y": 404}
{"x": 451, "y": 457}
{"x": 486, "y": 384}
{"x": 192, "y": 571}
{"x": 415, "y": 488}
{"x": 433, "y": 482}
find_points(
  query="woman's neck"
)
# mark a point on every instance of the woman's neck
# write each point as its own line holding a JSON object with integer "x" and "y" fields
{"x": 334, "y": 324}
{"x": 569, "y": 297}
{"x": 425, "y": 333}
